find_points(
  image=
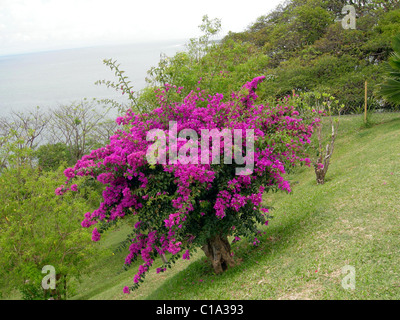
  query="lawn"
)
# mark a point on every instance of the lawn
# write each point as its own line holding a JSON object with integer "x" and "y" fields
{"x": 353, "y": 219}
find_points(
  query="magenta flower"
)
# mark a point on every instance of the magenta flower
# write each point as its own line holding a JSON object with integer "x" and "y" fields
{"x": 69, "y": 173}
{"x": 186, "y": 255}
{"x": 256, "y": 241}
{"x": 95, "y": 235}
{"x": 60, "y": 191}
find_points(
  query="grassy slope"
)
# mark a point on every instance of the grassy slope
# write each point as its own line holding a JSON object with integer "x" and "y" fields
{"x": 354, "y": 219}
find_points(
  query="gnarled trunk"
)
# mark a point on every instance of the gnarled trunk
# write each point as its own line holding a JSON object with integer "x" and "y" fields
{"x": 320, "y": 174}
{"x": 218, "y": 251}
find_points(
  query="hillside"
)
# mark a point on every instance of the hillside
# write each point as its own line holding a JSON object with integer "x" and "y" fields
{"x": 351, "y": 220}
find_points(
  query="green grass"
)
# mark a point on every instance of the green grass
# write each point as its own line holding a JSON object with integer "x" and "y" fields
{"x": 354, "y": 219}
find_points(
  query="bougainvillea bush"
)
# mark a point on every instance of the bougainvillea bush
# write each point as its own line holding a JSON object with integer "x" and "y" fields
{"x": 188, "y": 203}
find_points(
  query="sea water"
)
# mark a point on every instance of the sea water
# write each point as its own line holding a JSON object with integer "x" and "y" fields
{"x": 49, "y": 79}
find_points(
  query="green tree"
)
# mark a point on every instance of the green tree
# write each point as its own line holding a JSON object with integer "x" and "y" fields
{"x": 51, "y": 156}
{"x": 185, "y": 68}
{"x": 37, "y": 229}
{"x": 311, "y": 22}
{"x": 207, "y": 64}
{"x": 310, "y": 51}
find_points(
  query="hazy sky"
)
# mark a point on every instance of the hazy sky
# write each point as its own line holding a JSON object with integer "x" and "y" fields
{"x": 34, "y": 25}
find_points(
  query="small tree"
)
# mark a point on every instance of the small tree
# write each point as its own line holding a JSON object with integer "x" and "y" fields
{"x": 314, "y": 107}
{"x": 77, "y": 126}
{"x": 196, "y": 200}
{"x": 325, "y": 152}
{"x": 51, "y": 156}
{"x": 20, "y": 134}
{"x": 39, "y": 229}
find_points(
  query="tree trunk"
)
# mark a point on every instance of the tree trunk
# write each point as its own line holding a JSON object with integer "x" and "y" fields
{"x": 218, "y": 251}
{"x": 56, "y": 292}
{"x": 320, "y": 175}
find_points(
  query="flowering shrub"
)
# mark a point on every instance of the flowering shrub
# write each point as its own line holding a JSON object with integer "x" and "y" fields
{"x": 184, "y": 205}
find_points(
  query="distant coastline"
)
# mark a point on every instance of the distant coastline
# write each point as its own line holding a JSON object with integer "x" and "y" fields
{"x": 177, "y": 42}
{"x": 53, "y": 77}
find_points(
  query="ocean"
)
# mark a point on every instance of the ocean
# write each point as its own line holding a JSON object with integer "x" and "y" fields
{"x": 48, "y": 79}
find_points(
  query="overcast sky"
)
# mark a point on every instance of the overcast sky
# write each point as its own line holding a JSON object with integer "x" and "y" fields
{"x": 35, "y": 25}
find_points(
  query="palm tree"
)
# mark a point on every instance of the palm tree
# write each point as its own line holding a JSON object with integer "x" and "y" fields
{"x": 391, "y": 88}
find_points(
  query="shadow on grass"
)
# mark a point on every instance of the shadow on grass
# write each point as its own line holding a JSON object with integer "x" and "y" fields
{"x": 389, "y": 125}
{"x": 103, "y": 282}
{"x": 376, "y": 122}
{"x": 190, "y": 283}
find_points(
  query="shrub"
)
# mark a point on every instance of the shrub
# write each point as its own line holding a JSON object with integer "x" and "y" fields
{"x": 39, "y": 229}
{"x": 194, "y": 200}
